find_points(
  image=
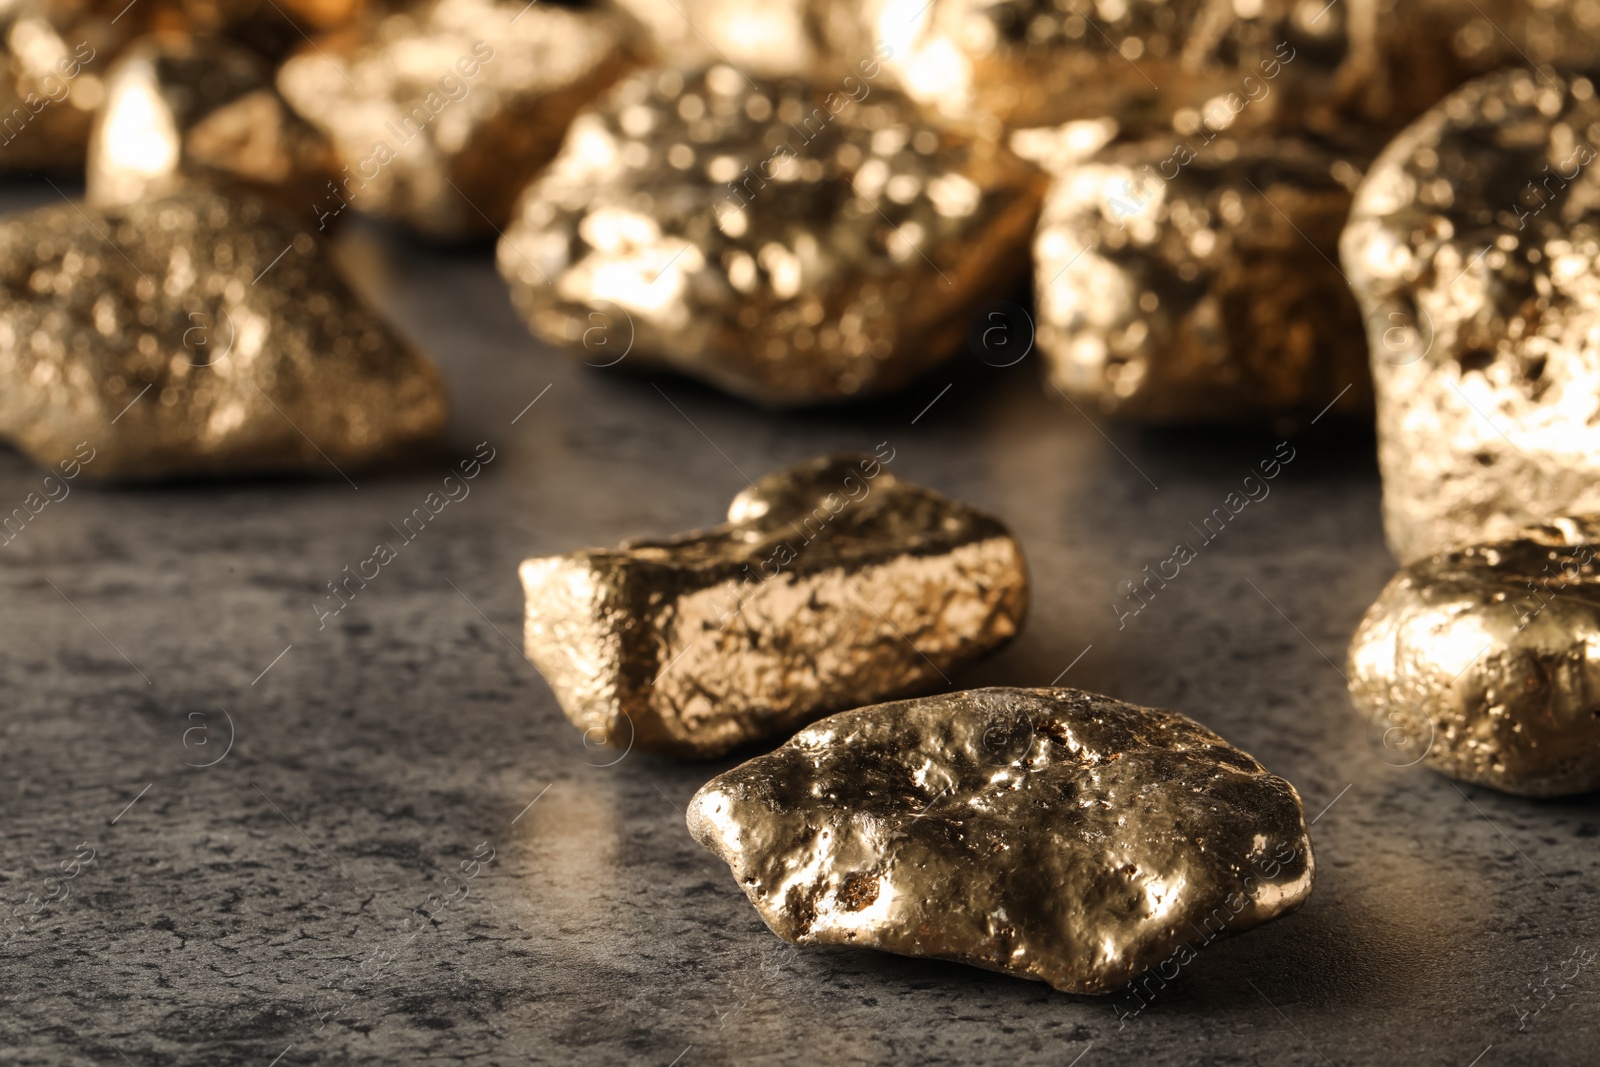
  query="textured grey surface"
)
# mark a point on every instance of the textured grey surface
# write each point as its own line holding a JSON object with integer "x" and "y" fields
{"x": 230, "y": 906}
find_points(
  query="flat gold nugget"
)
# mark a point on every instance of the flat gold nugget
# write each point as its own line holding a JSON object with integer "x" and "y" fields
{"x": 832, "y": 584}
{"x": 786, "y": 241}
{"x": 1050, "y": 834}
{"x": 1474, "y": 249}
{"x": 197, "y": 335}
{"x": 441, "y": 113}
{"x": 1479, "y": 662}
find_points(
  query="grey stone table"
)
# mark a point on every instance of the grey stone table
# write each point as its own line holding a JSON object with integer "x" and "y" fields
{"x": 377, "y": 841}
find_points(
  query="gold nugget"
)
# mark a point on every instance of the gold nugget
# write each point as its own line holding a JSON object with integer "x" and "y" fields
{"x": 771, "y": 39}
{"x": 197, "y": 335}
{"x": 1479, "y": 662}
{"x": 832, "y": 584}
{"x": 181, "y": 111}
{"x": 441, "y": 113}
{"x": 1051, "y": 834}
{"x": 53, "y": 59}
{"x": 788, "y": 241}
{"x": 1184, "y": 281}
{"x": 1474, "y": 249}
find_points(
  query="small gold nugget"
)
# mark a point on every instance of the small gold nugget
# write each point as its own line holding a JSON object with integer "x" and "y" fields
{"x": 1185, "y": 281}
{"x": 197, "y": 335}
{"x": 442, "y": 113}
{"x": 788, "y": 241}
{"x": 832, "y": 584}
{"x": 1480, "y": 663}
{"x": 1051, "y": 834}
{"x": 181, "y": 111}
{"x": 1474, "y": 249}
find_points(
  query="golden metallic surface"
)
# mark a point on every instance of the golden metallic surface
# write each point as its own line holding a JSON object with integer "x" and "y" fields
{"x": 1180, "y": 281}
{"x": 1481, "y": 662}
{"x": 1051, "y": 834}
{"x": 792, "y": 242}
{"x": 181, "y": 112}
{"x": 53, "y": 58}
{"x": 769, "y": 39}
{"x": 270, "y": 27}
{"x": 1473, "y": 247}
{"x": 832, "y": 584}
{"x": 441, "y": 113}
{"x": 197, "y": 335}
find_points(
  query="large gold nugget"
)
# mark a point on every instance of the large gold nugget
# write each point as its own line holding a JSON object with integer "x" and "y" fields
{"x": 1179, "y": 281}
{"x": 832, "y": 584}
{"x": 53, "y": 59}
{"x": 1051, "y": 834}
{"x": 441, "y": 114}
{"x": 197, "y": 335}
{"x": 1474, "y": 249}
{"x": 180, "y": 111}
{"x": 787, "y": 241}
{"x": 1480, "y": 662}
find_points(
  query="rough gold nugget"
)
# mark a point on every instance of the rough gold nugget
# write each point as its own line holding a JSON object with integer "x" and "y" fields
{"x": 182, "y": 111}
{"x": 442, "y": 112}
{"x": 1481, "y": 661}
{"x": 832, "y": 584}
{"x": 1185, "y": 281}
{"x": 792, "y": 242}
{"x": 1051, "y": 834}
{"x": 197, "y": 335}
{"x": 1474, "y": 248}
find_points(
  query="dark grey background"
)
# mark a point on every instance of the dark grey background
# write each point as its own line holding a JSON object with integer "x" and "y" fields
{"x": 230, "y": 906}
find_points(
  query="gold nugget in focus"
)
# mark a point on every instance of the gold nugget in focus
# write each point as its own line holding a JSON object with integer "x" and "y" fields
{"x": 197, "y": 335}
{"x": 1474, "y": 249}
{"x": 1179, "y": 282}
{"x": 1051, "y": 834}
{"x": 1479, "y": 662}
{"x": 441, "y": 113}
{"x": 181, "y": 111}
{"x": 832, "y": 584}
{"x": 789, "y": 242}
{"x": 53, "y": 57}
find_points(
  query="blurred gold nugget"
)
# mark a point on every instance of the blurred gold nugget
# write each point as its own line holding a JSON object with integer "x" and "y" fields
{"x": 52, "y": 68}
{"x": 182, "y": 111}
{"x": 197, "y": 335}
{"x": 441, "y": 113}
{"x": 271, "y": 27}
{"x": 790, "y": 241}
{"x": 1050, "y": 834}
{"x": 832, "y": 584}
{"x": 1481, "y": 661}
{"x": 1181, "y": 280}
{"x": 1474, "y": 249}
{"x": 767, "y": 39}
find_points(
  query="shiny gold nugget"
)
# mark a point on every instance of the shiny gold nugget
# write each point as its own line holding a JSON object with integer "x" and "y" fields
{"x": 1479, "y": 662}
{"x": 181, "y": 111}
{"x": 790, "y": 242}
{"x": 1180, "y": 281}
{"x": 1051, "y": 834}
{"x": 1474, "y": 249}
{"x": 832, "y": 584}
{"x": 442, "y": 113}
{"x": 197, "y": 335}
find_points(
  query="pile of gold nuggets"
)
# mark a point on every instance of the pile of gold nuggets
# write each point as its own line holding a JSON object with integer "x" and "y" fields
{"x": 1232, "y": 211}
